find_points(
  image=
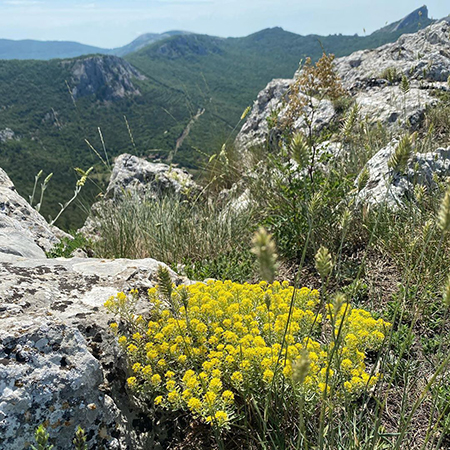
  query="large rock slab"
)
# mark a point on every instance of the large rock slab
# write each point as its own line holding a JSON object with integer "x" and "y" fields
{"x": 23, "y": 231}
{"x": 59, "y": 363}
{"x": 131, "y": 173}
{"x": 423, "y": 57}
{"x": 48, "y": 375}
{"x": 385, "y": 186}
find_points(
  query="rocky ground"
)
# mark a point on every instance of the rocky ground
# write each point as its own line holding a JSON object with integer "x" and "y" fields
{"x": 59, "y": 363}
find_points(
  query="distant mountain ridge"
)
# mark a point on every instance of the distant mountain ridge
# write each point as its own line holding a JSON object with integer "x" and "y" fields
{"x": 45, "y": 50}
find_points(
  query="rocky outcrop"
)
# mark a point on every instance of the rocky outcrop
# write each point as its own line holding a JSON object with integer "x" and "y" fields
{"x": 59, "y": 363}
{"x": 7, "y": 135}
{"x": 411, "y": 23}
{"x": 131, "y": 173}
{"x": 107, "y": 77}
{"x": 384, "y": 186}
{"x": 274, "y": 99}
{"x": 423, "y": 56}
{"x": 136, "y": 176}
{"x": 23, "y": 231}
{"x": 372, "y": 78}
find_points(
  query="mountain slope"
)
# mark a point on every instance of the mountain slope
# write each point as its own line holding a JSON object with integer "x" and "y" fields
{"x": 223, "y": 76}
{"x": 50, "y": 108}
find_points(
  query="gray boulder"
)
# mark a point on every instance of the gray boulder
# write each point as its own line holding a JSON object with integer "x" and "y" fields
{"x": 131, "y": 173}
{"x": 59, "y": 363}
{"x": 387, "y": 187}
{"x": 136, "y": 176}
{"x": 23, "y": 231}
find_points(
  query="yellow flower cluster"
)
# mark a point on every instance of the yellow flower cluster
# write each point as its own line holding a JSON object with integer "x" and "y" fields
{"x": 229, "y": 340}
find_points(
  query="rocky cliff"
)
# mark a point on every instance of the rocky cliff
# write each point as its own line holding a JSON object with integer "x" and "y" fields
{"x": 107, "y": 77}
{"x": 372, "y": 78}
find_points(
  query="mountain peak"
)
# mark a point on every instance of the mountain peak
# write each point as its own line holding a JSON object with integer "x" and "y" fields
{"x": 409, "y": 24}
{"x": 416, "y": 17}
{"x": 146, "y": 39}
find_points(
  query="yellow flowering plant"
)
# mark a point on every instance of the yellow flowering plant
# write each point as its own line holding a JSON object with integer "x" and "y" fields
{"x": 209, "y": 348}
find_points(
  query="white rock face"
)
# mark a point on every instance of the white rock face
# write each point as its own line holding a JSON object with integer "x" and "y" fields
{"x": 275, "y": 97}
{"x": 423, "y": 57}
{"x": 7, "y": 135}
{"x": 106, "y": 76}
{"x": 23, "y": 231}
{"x": 131, "y": 173}
{"x": 59, "y": 363}
{"x": 386, "y": 187}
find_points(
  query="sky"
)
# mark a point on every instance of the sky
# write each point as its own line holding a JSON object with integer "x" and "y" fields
{"x": 113, "y": 23}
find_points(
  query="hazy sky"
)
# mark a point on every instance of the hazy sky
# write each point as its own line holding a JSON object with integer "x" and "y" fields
{"x": 112, "y": 23}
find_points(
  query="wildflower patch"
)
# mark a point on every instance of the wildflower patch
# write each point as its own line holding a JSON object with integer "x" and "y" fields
{"x": 210, "y": 348}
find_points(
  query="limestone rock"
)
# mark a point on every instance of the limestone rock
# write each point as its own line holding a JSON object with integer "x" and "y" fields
{"x": 423, "y": 57}
{"x": 48, "y": 375}
{"x": 106, "y": 76}
{"x": 59, "y": 363}
{"x": 131, "y": 173}
{"x": 255, "y": 129}
{"x": 386, "y": 187}
{"x": 390, "y": 106}
{"x": 7, "y": 135}
{"x": 23, "y": 231}
{"x": 136, "y": 176}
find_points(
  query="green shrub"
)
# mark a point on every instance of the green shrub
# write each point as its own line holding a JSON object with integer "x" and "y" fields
{"x": 391, "y": 74}
{"x": 67, "y": 246}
